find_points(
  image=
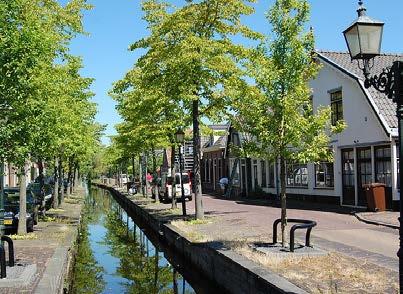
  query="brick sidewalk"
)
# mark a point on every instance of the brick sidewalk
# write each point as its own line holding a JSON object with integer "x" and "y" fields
{"x": 337, "y": 230}
{"x": 40, "y": 251}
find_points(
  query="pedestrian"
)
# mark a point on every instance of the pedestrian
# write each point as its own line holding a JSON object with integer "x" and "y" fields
{"x": 224, "y": 184}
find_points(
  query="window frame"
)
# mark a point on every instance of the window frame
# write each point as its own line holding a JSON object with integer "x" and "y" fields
{"x": 297, "y": 166}
{"x": 263, "y": 173}
{"x": 325, "y": 174}
{"x": 383, "y": 160}
{"x": 336, "y": 105}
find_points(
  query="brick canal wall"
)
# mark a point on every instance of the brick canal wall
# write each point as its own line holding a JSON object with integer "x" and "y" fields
{"x": 233, "y": 272}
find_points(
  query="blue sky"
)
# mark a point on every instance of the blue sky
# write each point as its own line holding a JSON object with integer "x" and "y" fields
{"x": 114, "y": 25}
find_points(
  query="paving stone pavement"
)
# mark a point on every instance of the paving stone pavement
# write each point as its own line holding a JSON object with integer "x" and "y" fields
{"x": 40, "y": 251}
{"x": 336, "y": 230}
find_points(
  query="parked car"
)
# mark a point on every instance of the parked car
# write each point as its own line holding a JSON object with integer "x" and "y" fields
{"x": 12, "y": 208}
{"x": 44, "y": 195}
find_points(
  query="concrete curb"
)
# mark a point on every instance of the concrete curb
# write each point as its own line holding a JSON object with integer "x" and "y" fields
{"x": 52, "y": 279}
{"x": 371, "y": 222}
{"x": 59, "y": 266}
{"x": 234, "y": 272}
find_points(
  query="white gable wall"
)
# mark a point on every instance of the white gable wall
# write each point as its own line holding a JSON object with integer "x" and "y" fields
{"x": 363, "y": 125}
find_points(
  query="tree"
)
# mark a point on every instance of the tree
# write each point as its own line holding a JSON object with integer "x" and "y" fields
{"x": 35, "y": 38}
{"x": 194, "y": 55}
{"x": 276, "y": 111}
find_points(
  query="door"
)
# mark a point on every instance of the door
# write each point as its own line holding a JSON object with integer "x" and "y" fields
{"x": 383, "y": 171}
{"x": 348, "y": 177}
{"x": 364, "y": 173}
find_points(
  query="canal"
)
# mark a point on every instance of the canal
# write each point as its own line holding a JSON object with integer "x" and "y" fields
{"x": 115, "y": 255}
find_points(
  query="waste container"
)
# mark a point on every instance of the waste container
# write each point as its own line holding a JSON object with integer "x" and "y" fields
{"x": 375, "y": 194}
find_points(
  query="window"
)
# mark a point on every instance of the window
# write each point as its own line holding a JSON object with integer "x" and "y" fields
{"x": 235, "y": 139}
{"x": 383, "y": 168}
{"x": 211, "y": 177}
{"x": 263, "y": 167}
{"x": 220, "y": 167}
{"x": 255, "y": 180}
{"x": 271, "y": 174}
{"x": 336, "y": 104}
{"x": 211, "y": 173}
{"x": 234, "y": 172}
{"x": 348, "y": 168}
{"x": 324, "y": 175}
{"x": 364, "y": 166}
{"x": 297, "y": 175}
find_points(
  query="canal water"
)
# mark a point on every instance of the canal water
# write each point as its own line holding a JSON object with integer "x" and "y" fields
{"x": 115, "y": 256}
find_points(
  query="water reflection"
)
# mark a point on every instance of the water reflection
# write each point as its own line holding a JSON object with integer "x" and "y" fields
{"x": 115, "y": 256}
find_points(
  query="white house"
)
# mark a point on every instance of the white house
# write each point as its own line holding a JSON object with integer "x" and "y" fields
{"x": 365, "y": 152}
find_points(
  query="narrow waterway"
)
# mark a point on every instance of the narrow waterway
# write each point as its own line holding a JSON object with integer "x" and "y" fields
{"x": 115, "y": 256}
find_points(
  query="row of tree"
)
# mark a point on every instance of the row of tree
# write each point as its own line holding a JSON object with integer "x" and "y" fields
{"x": 47, "y": 115}
{"x": 193, "y": 70}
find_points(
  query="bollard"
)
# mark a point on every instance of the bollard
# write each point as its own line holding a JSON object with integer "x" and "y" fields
{"x": 3, "y": 273}
{"x": 11, "y": 261}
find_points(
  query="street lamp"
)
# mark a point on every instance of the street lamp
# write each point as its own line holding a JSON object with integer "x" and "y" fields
{"x": 4, "y": 109}
{"x": 363, "y": 39}
{"x": 2, "y": 174}
{"x": 180, "y": 138}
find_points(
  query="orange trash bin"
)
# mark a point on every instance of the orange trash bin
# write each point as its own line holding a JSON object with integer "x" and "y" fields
{"x": 375, "y": 194}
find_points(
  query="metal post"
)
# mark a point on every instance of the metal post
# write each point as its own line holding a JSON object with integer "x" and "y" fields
{"x": 2, "y": 198}
{"x": 182, "y": 190}
{"x": 398, "y": 98}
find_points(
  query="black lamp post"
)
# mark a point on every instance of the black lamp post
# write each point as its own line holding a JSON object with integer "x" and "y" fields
{"x": 180, "y": 138}
{"x": 363, "y": 39}
{"x": 2, "y": 171}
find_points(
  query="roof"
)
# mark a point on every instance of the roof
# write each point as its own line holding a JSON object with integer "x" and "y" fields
{"x": 384, "y": 107}
{"x": 221, "y": 143}
{"x": 219, "y": 127}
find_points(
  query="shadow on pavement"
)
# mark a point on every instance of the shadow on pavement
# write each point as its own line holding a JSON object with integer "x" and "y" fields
{"x": 291, "y": 204}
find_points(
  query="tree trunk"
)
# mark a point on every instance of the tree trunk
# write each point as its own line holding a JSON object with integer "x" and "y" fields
{"x": 77, "y": 176}
{"x": 283, "y": 202}
{"x": 56, "y": 185}
{"x": 196, "y": 163}
{"x": 41, "y": 177}
{"x": 173, "y": 192}
{"x": 22, "y": 219}
{"x": 69, "y": 173}
{"x": 73, "y": 178}
{"x": 141, "y": 175}
{"x": 154, "y": 186}
{"x": 133, "y": 169}
{"x": 61, "y": 180}
{"x": 146, "y": 173}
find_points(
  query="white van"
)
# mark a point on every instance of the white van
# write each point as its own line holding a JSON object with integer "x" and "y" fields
{"x": 124, "y": 179}
{"x": 165, "y": 187}
{"x": 187, "y": 186}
